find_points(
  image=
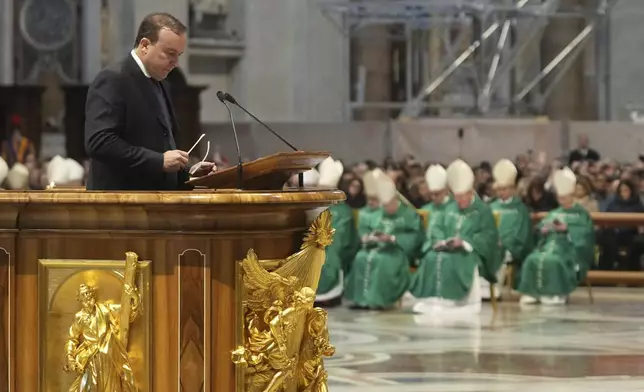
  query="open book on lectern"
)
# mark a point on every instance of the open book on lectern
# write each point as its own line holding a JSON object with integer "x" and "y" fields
{"x": 269, "y": 173}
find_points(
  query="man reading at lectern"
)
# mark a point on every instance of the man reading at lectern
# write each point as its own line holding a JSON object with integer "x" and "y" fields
{"x": 130, "y": 125}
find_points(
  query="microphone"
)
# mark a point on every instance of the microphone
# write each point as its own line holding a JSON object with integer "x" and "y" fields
{"x": 232, "y": 100}
{"x": 240, "y": 169}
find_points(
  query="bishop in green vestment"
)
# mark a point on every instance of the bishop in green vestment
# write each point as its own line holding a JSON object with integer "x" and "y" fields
{"x": 343, "y": 249}
{"x": 462, "y": 246}
{"x": 513, "y": 221}
{"x": 436, "y": 179}
{"x": 390, "y": 239}
{"x": 370, "y": 181}
{"x": 564, "y": 252}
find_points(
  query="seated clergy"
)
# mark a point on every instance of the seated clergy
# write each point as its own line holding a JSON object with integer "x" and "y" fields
{"x": 4, "y": 171}
{"x": 463, "y": 245}
{"x": 436, "y": 178}
{"x": 75, "y": 172}
{"x": 341, "y": 252}
{"x": 57, "y": 171}
{"x": 513, "y": 221}
{"x": 565, "y": 249}
{"x": 18, "y": 177}
{"x": 370, "y": 184}
{"x": 380, "y": 272}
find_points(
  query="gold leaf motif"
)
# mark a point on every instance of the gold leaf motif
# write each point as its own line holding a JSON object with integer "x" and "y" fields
{"x": 285, "y": 338}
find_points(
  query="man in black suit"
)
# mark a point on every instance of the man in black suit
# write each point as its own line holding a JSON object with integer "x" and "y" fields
{"x": 583, "y": 151}
{"x": 130, "y": 125}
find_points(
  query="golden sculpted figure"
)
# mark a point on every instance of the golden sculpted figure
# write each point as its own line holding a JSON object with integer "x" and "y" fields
{"x": 97, "y": 346}
{"x": 285, "y": 338}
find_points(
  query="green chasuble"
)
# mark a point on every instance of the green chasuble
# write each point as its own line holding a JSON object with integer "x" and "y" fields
{"x": 380, "y": 272}
{"x": 449, "y": 274}
{"x": 364, "y": 220}
{"x": 560, "y": 260}
{"x": 434, "y": 213}
{"x": 515, "y": 230}
{"x": 341, "y": 252}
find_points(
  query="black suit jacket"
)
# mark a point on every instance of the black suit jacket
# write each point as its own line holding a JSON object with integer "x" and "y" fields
{"x": 125, "y": 134}
{"x": 578, "y": 155}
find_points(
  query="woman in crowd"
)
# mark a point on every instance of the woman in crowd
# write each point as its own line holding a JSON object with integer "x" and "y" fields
{"x": 583, "y": 193}
{"x": 353, "y": 188}
{"x": 538, "y": 198}
{"x": 623, "y": 240}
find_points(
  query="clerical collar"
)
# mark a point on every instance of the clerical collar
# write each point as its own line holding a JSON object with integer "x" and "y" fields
{"x": 140, "y": 64}
{"x": 446, "y": 199}
{"x": 508, "y": 201}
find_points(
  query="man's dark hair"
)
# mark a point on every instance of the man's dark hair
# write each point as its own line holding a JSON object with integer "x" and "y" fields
{"x": 153, "y": 23}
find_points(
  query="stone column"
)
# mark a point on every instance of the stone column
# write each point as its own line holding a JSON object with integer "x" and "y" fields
{"x": 122, "y": 28}
{"x": 91, "y": 39}
{"x": 6, "y": 42}
{"x": 567, "y": 99}
{"x": 373, "y": 51}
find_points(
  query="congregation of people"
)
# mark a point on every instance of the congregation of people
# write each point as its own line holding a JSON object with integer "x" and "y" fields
{"x": 449, "y": 236}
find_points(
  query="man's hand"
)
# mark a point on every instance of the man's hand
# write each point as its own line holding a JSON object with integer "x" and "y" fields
{"x": 456, "y": 243}
{"x": 202, "y": 168}
{"x": 440, "y": 245}
{"x": 174, "y": 160}
{"x": 562, "y": 227}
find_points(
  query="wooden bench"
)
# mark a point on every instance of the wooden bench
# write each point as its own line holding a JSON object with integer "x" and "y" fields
{"x": 631, "y": 278}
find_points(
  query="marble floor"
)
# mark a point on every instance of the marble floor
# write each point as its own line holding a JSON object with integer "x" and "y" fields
{"x": 579, "y": 347}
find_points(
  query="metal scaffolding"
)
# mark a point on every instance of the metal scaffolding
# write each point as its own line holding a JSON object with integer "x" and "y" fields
{"x": 488, "y": 62}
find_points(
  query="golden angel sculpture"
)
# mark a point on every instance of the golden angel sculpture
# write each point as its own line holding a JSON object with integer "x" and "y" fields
{"x": 285, "y": 338}
{"x": 96, "y": 349}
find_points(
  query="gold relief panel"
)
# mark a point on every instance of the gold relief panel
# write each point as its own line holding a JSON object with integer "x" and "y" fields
{"x": 83, "y": 305}
{"x": 281, "y": 339}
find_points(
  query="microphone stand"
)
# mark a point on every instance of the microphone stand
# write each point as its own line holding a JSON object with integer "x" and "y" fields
{"x": 240, "y": 169}
{"x": 231, "y": 99}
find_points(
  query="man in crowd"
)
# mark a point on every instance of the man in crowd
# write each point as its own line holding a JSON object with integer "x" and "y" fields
{"x": 565, "y": 250}
{"x": 462, "y": 247}
{"x": 513, "y": 221}
{"x": 583, "y": 152}
{"x": 380, "y": 272}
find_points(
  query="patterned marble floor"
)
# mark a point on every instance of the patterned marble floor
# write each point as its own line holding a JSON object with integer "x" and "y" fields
{"x": 580, "y": 347}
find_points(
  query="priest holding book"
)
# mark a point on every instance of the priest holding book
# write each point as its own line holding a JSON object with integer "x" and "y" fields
{"x": 462, "y": 249}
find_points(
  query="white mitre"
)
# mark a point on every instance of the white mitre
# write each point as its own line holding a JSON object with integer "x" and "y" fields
{"x": 18, "y": 177}
{"x": 330, "y": 173}
{"x": 311, "y": 177}
{"x": 436, "y": 178}
{"x": 370, "y": 184}
{"x": 460, "y": 177}
{"x": 505, "y": 173}
{"x": 4, "y": 170}
{"x": 386, "y": 189}
{"x": 57, "y": 171}
{"x": 565, "y": 182}
{"x": 75, "y": 171}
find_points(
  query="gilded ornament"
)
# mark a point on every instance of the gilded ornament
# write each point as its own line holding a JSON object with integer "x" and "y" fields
{"x": 96, "y": 349}
{"x": 285, "y": 337}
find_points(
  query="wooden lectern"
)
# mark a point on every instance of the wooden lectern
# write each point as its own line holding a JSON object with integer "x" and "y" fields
{"x": 184, "y": 253}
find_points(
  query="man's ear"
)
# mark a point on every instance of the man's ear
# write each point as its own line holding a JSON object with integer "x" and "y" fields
{"x": 144, "y": 44}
